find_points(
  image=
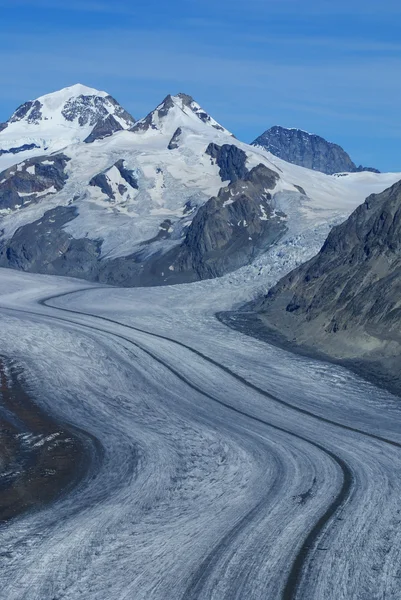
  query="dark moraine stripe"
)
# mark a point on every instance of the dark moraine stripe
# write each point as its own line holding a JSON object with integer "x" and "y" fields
{"x": 40, "y": 459}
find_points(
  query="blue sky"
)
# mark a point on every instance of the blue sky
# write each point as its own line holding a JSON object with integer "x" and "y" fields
{"x": 332, "y": 68}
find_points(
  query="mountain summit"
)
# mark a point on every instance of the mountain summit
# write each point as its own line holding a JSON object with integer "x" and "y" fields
{"x": 51, "y": 122}
{"x": 307, "y": 150}
{"x": 177, "y": 111}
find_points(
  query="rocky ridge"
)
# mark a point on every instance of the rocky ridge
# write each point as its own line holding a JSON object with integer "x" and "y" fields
{"x": 345, "y": 302}
{"x": 308, "y": 150}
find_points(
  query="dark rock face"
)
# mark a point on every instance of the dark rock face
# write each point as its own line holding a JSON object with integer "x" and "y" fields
{"x": 120, "y": 111}
{"x": 230, "y": 159}
{"x": 24, "y": 148}
{"x": 173, "y": 143}
{"x": 127, "y": 174}
{"x": 29, "y": 110}
{"x": 308, "y": 150}
{"x": 346, "y": 300}
{"x": 35, "y": 176}
{"x": 103, "y": 128}
{"x": 43, "y": 247}
{"x": 102, "y": 181}
{"x": 89, "y": 110}
{"x": 228, "y": 232}
{"x": 3, "y": 126}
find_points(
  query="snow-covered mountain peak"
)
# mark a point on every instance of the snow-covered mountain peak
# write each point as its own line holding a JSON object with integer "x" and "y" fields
{"x": 74, "y": 114}
{"x": 78, "y": 105}
{"x": 180, "y": 111}
{"x": 57, "y": 99}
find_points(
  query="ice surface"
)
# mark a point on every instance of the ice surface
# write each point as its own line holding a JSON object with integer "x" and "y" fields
{"x": 221, "y": 453}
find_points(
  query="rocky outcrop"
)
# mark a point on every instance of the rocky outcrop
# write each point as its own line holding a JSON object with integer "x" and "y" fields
{"x": 31, "y": 180}
{"x": 346, "y": 301}
{"x": 18, "y": 149}
{"x": 30, "y": 111}
{"x": 230, "y": 159}
{"x": 308, "y": 150}
{"x": 227, "y": 232}
{"x": 173, "y": 143}
{"x": 108, "y": 183}
{"x": 103, "y": 128}
{"x": 92, "y": 110}
{"x": 44, "y": 247}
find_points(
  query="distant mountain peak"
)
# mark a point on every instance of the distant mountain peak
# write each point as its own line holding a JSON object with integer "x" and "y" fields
{"x": 77, "y": 103}
{"x": 307, "y": 150}
{"x": 72, "y": 114}
{"x": 176, "y": 111}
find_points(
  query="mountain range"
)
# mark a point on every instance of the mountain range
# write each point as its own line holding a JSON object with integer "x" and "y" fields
{"x": 88, "y": 191}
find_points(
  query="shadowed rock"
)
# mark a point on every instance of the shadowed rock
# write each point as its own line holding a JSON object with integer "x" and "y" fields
{"x": 173, "y": 144}
{"x": 32, "y": 179}
{"x": 102, "y": 180}
{"x": 308, "y": 150}
{"x": 230, "y": 159}
{"x": 44, "y": 247}
{"x": 345, "y": 301}
{"x": 17, "y": 150}
{"x": 103, "y": 128}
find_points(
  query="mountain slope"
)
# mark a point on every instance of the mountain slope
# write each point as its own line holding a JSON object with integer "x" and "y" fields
{"x": 53, "y": 121}
{"x": 346, "y": 302}
{"x": 307, "y": 150}
{"x": 173, "y": 198}
{"x": 136, "y": 203}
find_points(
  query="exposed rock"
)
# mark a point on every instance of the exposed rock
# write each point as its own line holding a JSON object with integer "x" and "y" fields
{"x": 346, "y": 301}
{"x": 36, "y": 176}
{"x": 3, "y": 126}
{"x": 160, "y": 112}
{"x": 120, "y": 111}
{"x": 44, "y": 247}
{"x": 127, "y": 174}
{"x": 230, "y": 230}
{"x": 230, "y": 159}
{"x": 300, "y": 189}
{"x": 30, "y": 111}
{"x": 89, "y": 110}
{"x": 103, "y": 128}
{"x": 104, "y": 181}
{"x": 173, "y": 144}
{"x": 23, "y": 148}
{"x": 307, "y": 150}
{"x": 198, "y": 111}
{"x": 227, "y": 232}
{"x": 101, "y": 181}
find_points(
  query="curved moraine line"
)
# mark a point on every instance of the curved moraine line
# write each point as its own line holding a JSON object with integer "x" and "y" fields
{"x": 309, "y": 544}
{"x": 40, "y": 459}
